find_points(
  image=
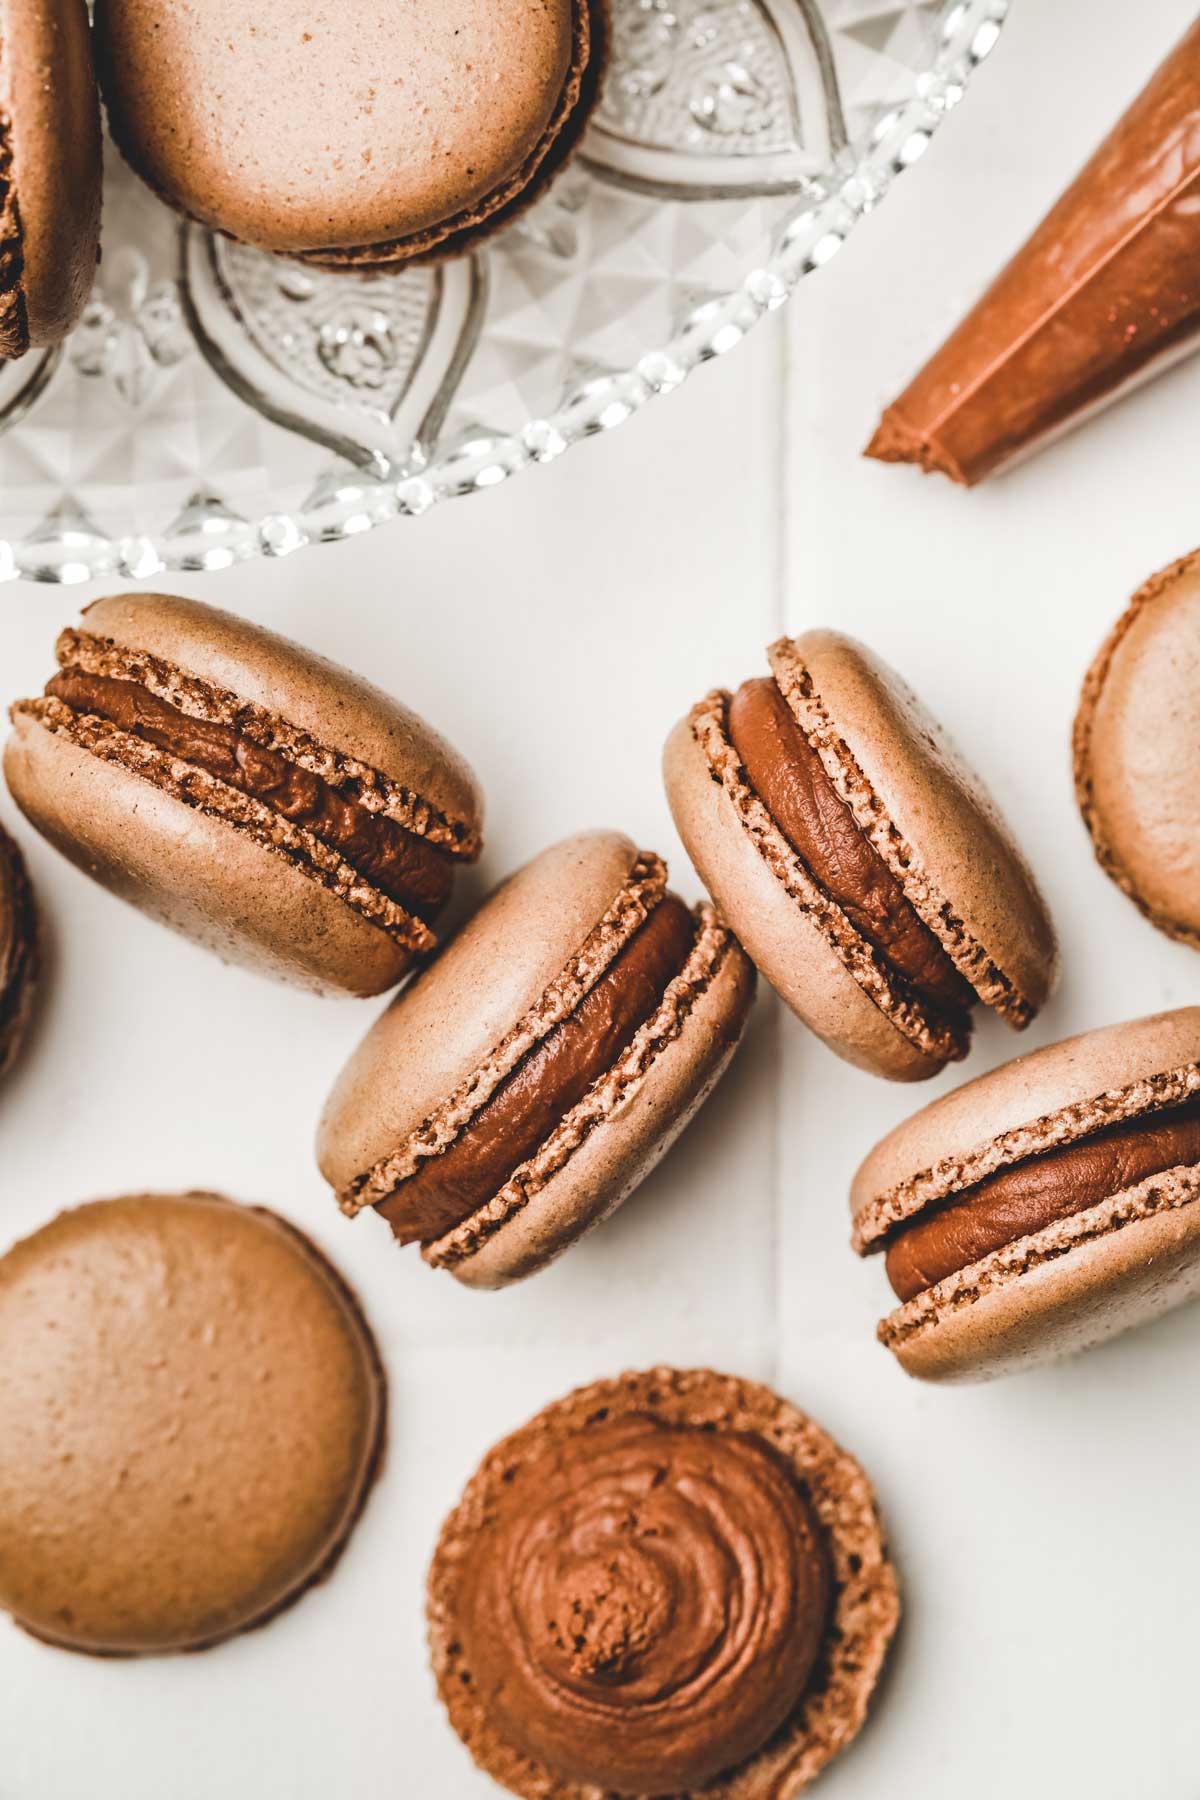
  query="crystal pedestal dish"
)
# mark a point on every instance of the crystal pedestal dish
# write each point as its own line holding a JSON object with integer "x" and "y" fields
{"x": 216, "y": 404}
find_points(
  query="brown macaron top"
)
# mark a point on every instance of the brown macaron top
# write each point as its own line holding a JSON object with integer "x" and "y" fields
{"x": 669, "y": 1583}
{"x": 19, "y": 943}
{"x": 291, "y": 763}
{"x": 192, "y": 1412}
{"x": 49, "y": 171}
{"x": 1137, "y": 751}
{"x": 368, "y": 132}
{"x": 529, "y": 1077}
{"x": 1056, "y": 1181}
{"x": 860, "y": 860}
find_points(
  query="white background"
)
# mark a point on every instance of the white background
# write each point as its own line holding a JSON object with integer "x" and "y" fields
{"x": 1045, "y": 1528}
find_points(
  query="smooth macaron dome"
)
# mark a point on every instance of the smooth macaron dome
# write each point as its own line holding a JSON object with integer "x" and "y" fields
{"x": 245, "y": 791}
{"x": 860, "y": 861}
{"x": 1043, "y": 1207}
{"x": 1137, "y": 751}
{"x": 671, "y": 1583}
{"x": 523, "y": 1085}
{"x": 18, "y": 950}
{"x": 49, "y": 171}
{"x": 366, "y": 133}
{"x": 192, "y": 1414}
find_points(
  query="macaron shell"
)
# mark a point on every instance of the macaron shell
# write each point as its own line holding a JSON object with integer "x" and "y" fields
{"x": 200, "y": 875}
{"x": 784, "y": 942}
{"x": 48, "y": 95}
{"x": 373, "y": 122}
{"x": 1069, "y": 1303}
{"x": 19, "y": 951}
{"x": 938, "y": 805}
{"x": 865, "y": 1609}
{"x": 442, "y": 1028}
{"x": 950, "y": 1144}
{"x": 192, "y": 1415}
{"x": 1137, "y": 751}
{"x": 621, "y": 1152}
{"x": 346, "y": 714}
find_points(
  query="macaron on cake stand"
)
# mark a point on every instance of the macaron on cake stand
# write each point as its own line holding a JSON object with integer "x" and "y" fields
{"x": 217, "y": 403}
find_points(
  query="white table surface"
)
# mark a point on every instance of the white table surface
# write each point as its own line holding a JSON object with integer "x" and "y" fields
{"x": 1044, "y": 1527}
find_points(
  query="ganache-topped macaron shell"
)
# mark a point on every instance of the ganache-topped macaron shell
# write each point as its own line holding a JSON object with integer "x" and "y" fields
{"x": 860, "y": 861}
{"x": 49, "y": 171}
{"x": 19, "y": 951}
{"x": 1045, "y": 1206}
{"x": 248, "y": 793}
{"x": 192, "y": 1415}
{"x": 669, "y": 1583}
{"x": 524, "y": 1084}
{"x": 1137, "y": 751}
{"x": 367, "y": 134}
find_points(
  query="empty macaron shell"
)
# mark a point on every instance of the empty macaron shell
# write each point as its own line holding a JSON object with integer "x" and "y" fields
{"x": 1044, "y": 1207}
{"x": 19, "y": 943}
{"x": 1137, "y": 751}
{"x": 367, "y": 133}
{"x": 49, "y": 171}
{"x": 246, "y": 792}
{"x": 192, "y": 1414}
{"x": 532, "y": 1075}
{"x": 858, "y": 859}
{"x": 722, "y": 1572}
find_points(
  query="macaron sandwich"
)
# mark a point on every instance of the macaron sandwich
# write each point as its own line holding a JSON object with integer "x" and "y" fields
{"x": 1044, "y": 1207}
{"x": 526, "y": 1081}
{"x": 192, "y": 1414}
{"x": 49, "y": 171}
{"x": 18, "y": 951}
{"x": 364, "y": 135}
{"x": 245, "y": 791}
{"x": 1137, "y": 750}
{"x": 859, "y": 860}
{"x": 673, "y": 1583}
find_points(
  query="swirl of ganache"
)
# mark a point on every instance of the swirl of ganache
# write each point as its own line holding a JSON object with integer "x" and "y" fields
{"x": 643, "y": 1605}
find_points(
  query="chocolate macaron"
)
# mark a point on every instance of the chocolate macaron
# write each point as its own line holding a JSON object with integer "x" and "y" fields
{"x": 674, "y": 1583}
{"x": 1044, "y": 1207}
{"x": 1137, "y": 751}
{"x": 49, "y": 171}
{"x": 367, "y": 134}
{"x": 192, "y": 1414}
{"x": 858, "y": 859}
{"x": 18, "y": 951}
{"x": 515, "y": 1093}
{"x": 246, "y": 792}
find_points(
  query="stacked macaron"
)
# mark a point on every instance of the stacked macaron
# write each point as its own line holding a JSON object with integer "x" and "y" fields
{"x": 246, "y": 792}
{"x": 860, "y": 861}
{"x": 516, "y": 1092}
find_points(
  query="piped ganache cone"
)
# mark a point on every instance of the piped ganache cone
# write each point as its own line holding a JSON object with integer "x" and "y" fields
{"x": 859, "y": 860}
{"x": 245, "y": 791}
{"x": 19, "y": 943}
{"x": 670, "y": 1583}
{"x": 1105, "y": 294}
{"x": 1045, "y": 1206}
{"x": 530, "y": 1078}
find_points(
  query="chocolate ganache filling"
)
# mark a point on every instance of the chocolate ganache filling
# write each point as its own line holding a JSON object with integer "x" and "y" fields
{"x": 645, "y": 1605}
{"x": 546, "y": 1084}
{"x": 1031, "y": 1195}
{"x": 400, "y": 864}
{"x": 787, "y": 775}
